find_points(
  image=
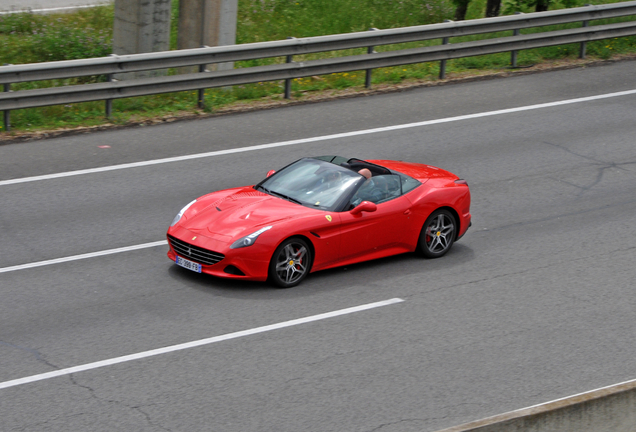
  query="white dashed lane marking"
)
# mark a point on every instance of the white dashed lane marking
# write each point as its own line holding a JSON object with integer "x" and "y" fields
{"x": 194, "y": 344}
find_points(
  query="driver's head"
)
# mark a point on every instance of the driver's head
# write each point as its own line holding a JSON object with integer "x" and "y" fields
{"x": 333, "y": 176}
{"x": 365, "y": 172}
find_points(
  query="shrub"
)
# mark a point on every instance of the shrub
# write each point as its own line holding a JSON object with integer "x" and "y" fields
{"x": 65, "y": 43}
{"x": 30, "y": 38}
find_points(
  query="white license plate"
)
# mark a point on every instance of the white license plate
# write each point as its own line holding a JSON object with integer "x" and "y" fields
{"x": 188, "y": 264}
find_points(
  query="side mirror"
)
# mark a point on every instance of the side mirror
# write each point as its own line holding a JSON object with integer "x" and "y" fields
{"x": 270, "y": 172}
{"x": 364, "y": 206}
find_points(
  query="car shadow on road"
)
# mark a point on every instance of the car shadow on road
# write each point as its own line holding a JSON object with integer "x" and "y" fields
{"x": 385, "y": 269}
{"x": 379, "y": 271}
{"x": 208, "y": 283}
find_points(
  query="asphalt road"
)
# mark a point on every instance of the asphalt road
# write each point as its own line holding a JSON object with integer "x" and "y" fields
{"x": 534, "y": 303}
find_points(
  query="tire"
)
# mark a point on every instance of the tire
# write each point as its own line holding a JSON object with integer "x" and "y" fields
{"x": 438, "y": 234}
{"x": 291, "y": 263}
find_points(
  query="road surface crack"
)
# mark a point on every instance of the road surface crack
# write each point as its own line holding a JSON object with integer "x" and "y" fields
{"x": 602, "y": 167}
{"x": 38, "y": 355}
{"x": 380, "y": 427}
{"x": 525, "y": 271}
{"x": 136, "y": 408}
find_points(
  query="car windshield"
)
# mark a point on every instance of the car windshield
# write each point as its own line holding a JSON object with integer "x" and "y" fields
{"x": 313, "y": 183}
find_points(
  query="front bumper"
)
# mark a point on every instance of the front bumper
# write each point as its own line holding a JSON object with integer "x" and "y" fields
{"x": 248, "y": 263}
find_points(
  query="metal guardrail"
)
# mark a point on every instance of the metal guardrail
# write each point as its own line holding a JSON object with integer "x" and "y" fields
{"x": 115, "y": 64}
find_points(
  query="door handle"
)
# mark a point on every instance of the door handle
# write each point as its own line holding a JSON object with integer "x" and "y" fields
{"x": 407, "y": 212}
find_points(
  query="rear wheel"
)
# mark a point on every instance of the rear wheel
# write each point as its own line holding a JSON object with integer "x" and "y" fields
{"x": 290, "y": 263}
{"x": 438, "y": 234}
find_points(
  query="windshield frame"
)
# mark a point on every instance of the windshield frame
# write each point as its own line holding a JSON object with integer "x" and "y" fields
{"x": 351, "y": 185}
{"x": 350, "y": 168}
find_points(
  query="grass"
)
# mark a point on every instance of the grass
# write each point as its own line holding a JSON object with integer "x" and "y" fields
{"x": 30, "y": 38}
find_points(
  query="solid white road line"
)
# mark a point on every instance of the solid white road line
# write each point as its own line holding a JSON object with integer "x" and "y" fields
{"x": 609, "y": 387}
{"x": 83, "y": 256}
{"x": 314, "y": 139}
{"x": 194, "y": 344}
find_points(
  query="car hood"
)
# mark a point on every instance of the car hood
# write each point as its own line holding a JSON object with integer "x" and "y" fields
{"x": 240, "y": 213}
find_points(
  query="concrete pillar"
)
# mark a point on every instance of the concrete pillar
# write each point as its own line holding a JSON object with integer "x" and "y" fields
{"x": 141, "y": 26}
{"x": 207, "y": 22}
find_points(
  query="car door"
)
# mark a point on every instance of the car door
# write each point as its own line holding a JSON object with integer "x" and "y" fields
{"x": 385, "y": 231}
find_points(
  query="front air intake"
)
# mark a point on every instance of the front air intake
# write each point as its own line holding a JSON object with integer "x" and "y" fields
{"x": 194, "y": 253}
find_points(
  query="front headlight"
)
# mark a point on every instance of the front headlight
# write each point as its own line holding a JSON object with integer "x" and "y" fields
{"x": 183, "y": 210}
{"x": 248, "y": 240}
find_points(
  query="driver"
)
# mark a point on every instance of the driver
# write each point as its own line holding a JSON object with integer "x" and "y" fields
{"x": 330, "y": 180}
{"x": 365, "y": 173}
{"x": 365, "y": 191}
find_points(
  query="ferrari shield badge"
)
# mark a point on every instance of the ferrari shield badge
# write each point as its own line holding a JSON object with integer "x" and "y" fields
{"x": 194, "y": 238}
{"x": 328, "y": 218}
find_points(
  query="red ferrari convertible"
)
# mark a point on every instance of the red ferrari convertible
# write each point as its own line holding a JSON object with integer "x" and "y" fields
{"x": 318, "y": 213}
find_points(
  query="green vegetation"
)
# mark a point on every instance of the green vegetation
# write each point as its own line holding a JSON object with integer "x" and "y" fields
{"x": 30, "y": 38}
{"x": 263, "y": 20}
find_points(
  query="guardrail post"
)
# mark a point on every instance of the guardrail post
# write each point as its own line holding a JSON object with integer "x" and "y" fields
{"x": 370, "y": 50}
{"x": 583, "y": 46}
{"x": 201, "y": 92}
{"x": 109, "y": 102}
{"x": 442, "y": 64}
{"x": 288, "y": 80}
{"x": 513, "y": 54}
{"x": 6, "y": 115}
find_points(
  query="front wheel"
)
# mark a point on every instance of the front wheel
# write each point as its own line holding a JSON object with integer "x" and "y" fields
{"x": 290, "y": 263}
{"x": 438, "y": 234}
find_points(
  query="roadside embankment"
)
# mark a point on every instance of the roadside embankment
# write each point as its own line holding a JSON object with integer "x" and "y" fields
{"x": 611, "y": 408}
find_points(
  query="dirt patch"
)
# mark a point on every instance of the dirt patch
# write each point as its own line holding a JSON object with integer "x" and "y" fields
{"x": 316, "y": 97}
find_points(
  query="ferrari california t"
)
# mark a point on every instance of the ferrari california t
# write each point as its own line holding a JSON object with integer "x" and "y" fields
{"x": 318, "y": 213}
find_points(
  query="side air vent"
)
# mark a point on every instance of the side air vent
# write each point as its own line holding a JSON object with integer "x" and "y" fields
{"x": 233, "y": 271}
